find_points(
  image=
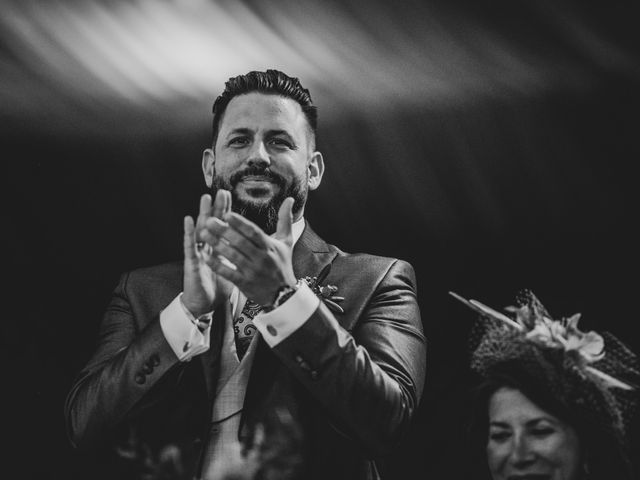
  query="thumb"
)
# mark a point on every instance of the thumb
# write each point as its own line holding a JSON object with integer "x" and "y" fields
{"x": 285, "y": 219}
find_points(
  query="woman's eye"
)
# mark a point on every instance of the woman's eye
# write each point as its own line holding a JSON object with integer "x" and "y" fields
{"x": 498, "y": 436}
{"x": 542, "y": 431}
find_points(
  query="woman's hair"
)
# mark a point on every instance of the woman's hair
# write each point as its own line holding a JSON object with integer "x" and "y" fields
{"x": 599, "y": 451}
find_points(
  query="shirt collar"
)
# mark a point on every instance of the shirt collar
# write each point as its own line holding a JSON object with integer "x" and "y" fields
{"x": 297, "y": 228}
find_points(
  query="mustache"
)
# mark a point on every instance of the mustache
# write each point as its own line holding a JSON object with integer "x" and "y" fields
{"x": 257, "y": 171}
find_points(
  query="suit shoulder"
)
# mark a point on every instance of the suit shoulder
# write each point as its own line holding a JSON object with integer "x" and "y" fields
{"x": 159, "y": 270}
{"x": 376, "y": 265}
{"x": 169, "y": 274}
{"x": 373, "y": 261}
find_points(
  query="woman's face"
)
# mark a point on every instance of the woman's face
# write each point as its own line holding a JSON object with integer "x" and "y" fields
{"x": 527, "y": 443}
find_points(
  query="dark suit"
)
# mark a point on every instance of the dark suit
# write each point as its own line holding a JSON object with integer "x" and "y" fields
{"x": 352, "y": 380}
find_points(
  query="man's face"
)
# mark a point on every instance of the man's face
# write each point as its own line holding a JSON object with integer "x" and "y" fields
{"x": 264, "y": 154}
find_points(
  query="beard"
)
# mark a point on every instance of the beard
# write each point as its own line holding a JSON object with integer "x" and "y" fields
{"x": 263, "y": 214}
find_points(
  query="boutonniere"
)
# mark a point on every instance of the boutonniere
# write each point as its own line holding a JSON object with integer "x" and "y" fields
{"x": 326, "y": 293}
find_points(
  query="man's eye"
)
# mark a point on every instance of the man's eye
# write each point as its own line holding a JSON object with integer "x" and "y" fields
{"x": 280, "y": 142}
{"x": 238, "y": 141}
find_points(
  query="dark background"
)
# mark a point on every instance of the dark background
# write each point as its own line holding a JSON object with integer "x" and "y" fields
{"x": 491, "y": 144}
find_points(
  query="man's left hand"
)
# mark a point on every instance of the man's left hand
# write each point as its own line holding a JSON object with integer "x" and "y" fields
{"x": 262, "y": 263}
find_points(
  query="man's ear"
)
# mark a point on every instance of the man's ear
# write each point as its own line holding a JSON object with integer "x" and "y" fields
{"x": 208, "y": 162}
{"x": 316, "y": 170}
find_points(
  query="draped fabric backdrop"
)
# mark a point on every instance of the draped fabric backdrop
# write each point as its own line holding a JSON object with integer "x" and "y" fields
{"x": 493, "y": 144}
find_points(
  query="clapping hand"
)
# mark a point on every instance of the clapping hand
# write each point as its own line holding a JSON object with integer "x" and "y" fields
{"x": 203, "y": 290}
{"x": 261, "y": 263}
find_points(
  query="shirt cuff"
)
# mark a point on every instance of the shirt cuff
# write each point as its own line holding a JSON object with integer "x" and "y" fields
{"x": 281, "y": 322}
{"x": 180, "y": 328}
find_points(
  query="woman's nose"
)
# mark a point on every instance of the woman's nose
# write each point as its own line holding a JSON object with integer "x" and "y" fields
{"x": 521, "y": 452}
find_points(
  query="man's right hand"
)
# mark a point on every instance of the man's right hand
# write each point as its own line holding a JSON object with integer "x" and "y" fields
{"x": 203, "y": 290}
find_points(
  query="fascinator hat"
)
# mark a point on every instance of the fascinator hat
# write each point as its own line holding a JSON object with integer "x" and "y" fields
{"x": 592, "y": 376}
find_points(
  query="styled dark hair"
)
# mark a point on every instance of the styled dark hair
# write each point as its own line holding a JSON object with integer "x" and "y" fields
{"x": 273, "y": 82}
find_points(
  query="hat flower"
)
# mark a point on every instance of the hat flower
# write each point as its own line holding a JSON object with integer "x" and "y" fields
{"x": 562, "y": 333}
{"x": 534, "y": 323}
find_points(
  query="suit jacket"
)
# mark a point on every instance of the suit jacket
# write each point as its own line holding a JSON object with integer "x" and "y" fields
{"x": 352, "y": 381}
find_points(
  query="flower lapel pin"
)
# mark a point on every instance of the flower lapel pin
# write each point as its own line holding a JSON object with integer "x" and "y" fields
{"x": 326, "y": 293}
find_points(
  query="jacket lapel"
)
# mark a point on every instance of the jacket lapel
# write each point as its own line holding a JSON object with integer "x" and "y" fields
{"x": 310, "y": 254}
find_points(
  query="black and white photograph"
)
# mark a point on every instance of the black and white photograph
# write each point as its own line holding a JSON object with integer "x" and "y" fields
{"x": 320, "y": 239}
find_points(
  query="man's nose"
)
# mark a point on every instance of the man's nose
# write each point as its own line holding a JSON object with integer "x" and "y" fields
{"x": 258, "y": 155}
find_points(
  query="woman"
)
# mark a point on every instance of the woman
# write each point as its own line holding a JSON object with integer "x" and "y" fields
{"x": 553, "y": 402}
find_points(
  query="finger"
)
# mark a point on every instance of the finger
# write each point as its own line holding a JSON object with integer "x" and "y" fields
{"x": 285, "y": 220}
{"x": 203, "y": 213}
{"x": 219, "y": 205}
{"x": 226, "y": 271}
{"x": 205, "y": 208}
{"x": 189, "y": 240}
{"x": 227, "y": 203}
{"x": 217, "y": 232}
{"x": 214, "y": 259}
{"x": 248, "y": 229}
{"x": 235, "y": 256}
{"x": 227, "y": 263}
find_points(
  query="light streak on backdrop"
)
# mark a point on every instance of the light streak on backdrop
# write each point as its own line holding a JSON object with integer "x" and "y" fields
{"x": 68, "y": 63}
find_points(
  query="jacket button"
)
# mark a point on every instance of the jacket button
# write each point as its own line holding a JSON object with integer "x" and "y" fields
{"x": 147, "y": 368}
{"x": 302, "y": 363}
{"x": 140, "y": 378}
{"x": 313, "y": 374}
{"x": 155, "y": 360}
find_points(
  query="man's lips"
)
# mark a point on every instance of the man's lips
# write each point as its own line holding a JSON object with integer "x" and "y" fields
{"x": 258, "y": 185}
{"x": 257, "y": 179}
{"x": 529, "y": 476}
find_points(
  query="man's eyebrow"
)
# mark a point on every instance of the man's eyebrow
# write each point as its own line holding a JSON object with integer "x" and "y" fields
{"x": 240, "y": 130}
{"x": 271, "y": 133}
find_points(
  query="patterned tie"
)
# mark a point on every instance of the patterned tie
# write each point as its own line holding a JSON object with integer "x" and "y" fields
{"x": 244, "y": 328}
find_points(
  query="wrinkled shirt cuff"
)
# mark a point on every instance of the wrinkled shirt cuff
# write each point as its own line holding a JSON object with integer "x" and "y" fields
{"x": 186, "y": 335}
{"x": 281, "y": 322}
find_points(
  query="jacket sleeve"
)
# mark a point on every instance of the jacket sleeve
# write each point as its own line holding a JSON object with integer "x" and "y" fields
{"x": 369, "y": 380}
{"x": 128, "y": 363}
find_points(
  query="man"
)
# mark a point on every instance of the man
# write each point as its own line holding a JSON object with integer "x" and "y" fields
{"x": 337, "y": 344}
